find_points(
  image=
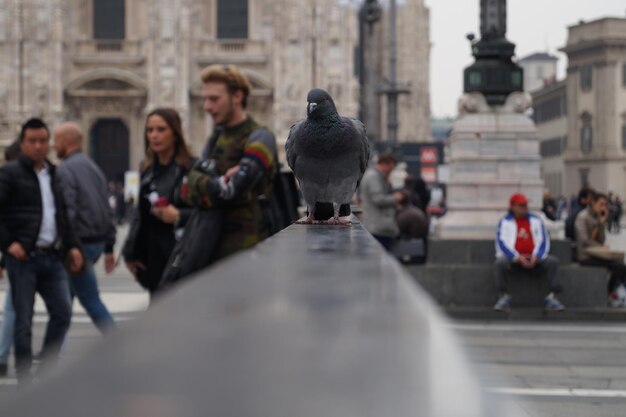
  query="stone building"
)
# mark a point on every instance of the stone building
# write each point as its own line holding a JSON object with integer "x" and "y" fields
{"x": 596, "y": 106}
{"x": 413, "y": 71}
{"x": 107, "y": 63}
{"x": 550, "y": 115}
{"x": 539, "y": 68}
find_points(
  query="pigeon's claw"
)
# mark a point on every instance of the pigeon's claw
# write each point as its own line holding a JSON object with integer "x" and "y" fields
{"x": 336, "y": 221}
{"x": 310, "y": 219}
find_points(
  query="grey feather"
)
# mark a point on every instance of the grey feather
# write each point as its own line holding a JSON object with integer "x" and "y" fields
{"x": 327, "y": 153}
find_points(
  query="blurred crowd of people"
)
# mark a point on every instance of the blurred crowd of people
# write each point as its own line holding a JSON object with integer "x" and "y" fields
{"x": 395, "y": 215}
{"x": 588, "y": 216}
{"x": 57, "y": 221}
{"x": 559, "y": 208}
{"x": 523, "y": 243}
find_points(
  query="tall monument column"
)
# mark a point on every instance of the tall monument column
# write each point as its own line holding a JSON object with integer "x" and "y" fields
{"x": 494, "y": 147}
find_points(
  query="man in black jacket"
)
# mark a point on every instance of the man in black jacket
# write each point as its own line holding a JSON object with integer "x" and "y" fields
{"x": 35, "y": 235}
{"x": 584, "y": 197}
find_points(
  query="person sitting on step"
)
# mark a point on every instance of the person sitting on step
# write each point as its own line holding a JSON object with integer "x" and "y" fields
{"x": 523, "y": 243}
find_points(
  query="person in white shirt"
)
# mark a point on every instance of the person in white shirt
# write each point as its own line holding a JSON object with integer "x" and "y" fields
{"x": 36, "y": 239}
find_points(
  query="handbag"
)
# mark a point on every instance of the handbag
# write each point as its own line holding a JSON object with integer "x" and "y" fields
{"x": 195, "y": 250}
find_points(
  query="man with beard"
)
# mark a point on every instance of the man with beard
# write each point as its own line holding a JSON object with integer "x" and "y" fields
{"x": 239, "y": 163}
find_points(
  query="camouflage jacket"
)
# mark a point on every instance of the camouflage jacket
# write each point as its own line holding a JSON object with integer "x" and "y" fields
{"x": 252, "y": 148}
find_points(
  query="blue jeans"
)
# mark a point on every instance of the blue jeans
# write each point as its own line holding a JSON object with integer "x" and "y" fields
{"x": 42, "y": 273}
{"x": 85, "y": 287}
{"x": 8, "y": 326}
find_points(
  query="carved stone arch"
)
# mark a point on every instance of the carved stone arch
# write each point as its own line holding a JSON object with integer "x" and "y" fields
{"x": 109, "y": 104}
{"x": 107, "y": 79}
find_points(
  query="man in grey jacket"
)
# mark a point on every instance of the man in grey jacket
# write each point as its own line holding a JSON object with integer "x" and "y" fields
{"x": 379, "y": 201}
{"x": 85, "y": 189}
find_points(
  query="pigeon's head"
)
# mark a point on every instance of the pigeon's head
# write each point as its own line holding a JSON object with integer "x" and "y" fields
{"x": 320, "y": 103}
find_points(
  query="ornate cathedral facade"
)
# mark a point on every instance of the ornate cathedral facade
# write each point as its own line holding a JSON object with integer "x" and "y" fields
{"x": 106, "y": 63}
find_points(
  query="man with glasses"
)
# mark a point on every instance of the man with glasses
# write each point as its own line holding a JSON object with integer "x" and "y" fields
{"x": 523, "y": 243}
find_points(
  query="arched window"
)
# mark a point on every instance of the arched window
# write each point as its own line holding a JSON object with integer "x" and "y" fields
{"x": 109, "y": 19}
{"x": 232, "y": 19}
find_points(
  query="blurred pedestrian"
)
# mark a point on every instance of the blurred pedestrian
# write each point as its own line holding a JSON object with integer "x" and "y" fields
{"x": 8, "y": 320}
{"x": 549, "y": 206}
{"x": 85, "y": 190}
{"x": 619, "y": 211}
{"x": 35, "y": 235}
{"x": 161, "y": 210}
{"x": 420, "y": 195}
{"x": 379, "y": 201}
{"x": 561, "y": 208}
{"x": 615, "y": 214}
{"x": 112, "y": 195}
{"x": 120, "y": 203}
{"x": 412, "y": 221}
{"x": 584, "y": 197}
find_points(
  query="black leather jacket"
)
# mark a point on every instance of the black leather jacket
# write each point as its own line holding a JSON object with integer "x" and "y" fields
{"x": 150, "y": 240}
{"x": 21, "y": 209}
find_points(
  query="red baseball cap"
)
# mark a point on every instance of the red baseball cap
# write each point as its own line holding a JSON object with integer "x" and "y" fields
{"x": 518, "y": 199}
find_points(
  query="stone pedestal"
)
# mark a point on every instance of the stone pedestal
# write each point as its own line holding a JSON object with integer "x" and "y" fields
{"x": 494, "y": 152}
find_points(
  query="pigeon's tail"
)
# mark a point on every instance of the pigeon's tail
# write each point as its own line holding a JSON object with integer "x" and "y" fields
{"x": 324, "y": 211}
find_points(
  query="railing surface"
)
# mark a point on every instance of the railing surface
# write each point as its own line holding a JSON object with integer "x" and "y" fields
{"x": 316, "y": 321}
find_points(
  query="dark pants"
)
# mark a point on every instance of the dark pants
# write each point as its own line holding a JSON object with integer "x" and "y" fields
{"x": 618, "y": 271}
{"x": 386, "y": 241}
{"x": 44, "y": 274}
{"x": 548, "y": 266}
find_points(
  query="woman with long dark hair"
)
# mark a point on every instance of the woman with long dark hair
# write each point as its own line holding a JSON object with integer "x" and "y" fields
{"x": 161, "y": 211}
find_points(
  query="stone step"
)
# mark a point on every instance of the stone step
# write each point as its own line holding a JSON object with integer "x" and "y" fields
{"x": 474, "y": 286}
{"x": 476, "y": 252}
{"x": 600, "y": 314}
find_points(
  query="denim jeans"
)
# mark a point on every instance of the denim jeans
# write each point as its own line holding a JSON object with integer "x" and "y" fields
{"x": 85, "y": 287}
{"x": 8, "y": 327}
{"x": 42, "y": 273}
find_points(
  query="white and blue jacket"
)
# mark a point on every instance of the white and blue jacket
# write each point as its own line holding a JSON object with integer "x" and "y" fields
{"x": 507, "y": 237}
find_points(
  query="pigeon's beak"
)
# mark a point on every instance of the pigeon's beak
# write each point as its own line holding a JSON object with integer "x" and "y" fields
{"x": 311, "y": 107}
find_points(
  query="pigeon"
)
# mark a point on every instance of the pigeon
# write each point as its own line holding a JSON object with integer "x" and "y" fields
{"x": 328, "y": 155}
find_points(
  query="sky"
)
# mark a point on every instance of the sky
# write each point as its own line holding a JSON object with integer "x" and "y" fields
{"x": 533, "y": 25}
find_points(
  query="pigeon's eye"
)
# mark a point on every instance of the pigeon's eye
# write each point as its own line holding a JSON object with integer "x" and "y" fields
{"x": 324, "y": 99}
